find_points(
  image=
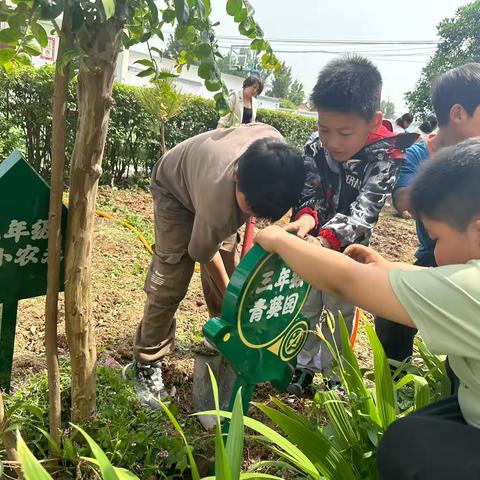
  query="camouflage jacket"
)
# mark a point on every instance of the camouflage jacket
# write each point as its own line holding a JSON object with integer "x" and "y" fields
{"x": 346, "y": 198}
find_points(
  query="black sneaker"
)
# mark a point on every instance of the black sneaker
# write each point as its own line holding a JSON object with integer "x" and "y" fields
{"x": 149, "y": 384}
{"x": 301, "y": 384}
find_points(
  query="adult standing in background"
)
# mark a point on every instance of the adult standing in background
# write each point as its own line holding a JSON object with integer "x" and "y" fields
{"x": 243, "y": 103}
{"x": 402, "y": 123}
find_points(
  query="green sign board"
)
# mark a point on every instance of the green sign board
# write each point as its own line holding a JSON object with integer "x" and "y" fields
{"x": 261, "y": 330}
{"x": 24, "y": 203}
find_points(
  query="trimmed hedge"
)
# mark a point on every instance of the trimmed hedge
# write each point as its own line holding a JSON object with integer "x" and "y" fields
{"x": 130, "y": 151}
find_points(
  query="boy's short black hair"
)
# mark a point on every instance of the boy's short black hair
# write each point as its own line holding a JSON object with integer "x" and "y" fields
{"x": 351, "y": 84}
{"x": 406, "y": 117}
{"x": 460, "y": 86}
{"x": 447, "y": 188}
{"x": 428, "y": 125}
{"x": 271, "y": 175}
{"x": 254, "y": 80}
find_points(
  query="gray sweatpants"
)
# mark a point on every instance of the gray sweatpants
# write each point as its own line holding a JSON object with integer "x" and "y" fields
{"x": 315, "y": 356}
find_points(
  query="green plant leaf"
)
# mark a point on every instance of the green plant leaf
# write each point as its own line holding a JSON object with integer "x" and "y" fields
{"x": 146, "y": 62}
{"x": 106, "y": 468}
{"x": 321, "y": 452}
{"x": 233, "y": 7}
{"x": 293, "y": 452}
{"x": 235, "y": 439}
{"x": 53, "y": 444}
{"x": 153, "y": 10}
{"x": 384, "y": 388}
{"x": 205, "y": 70}
{"x": 6, "y": 54}
{"x": 40, "y": 34}
{"x": 178, "y": 428}
{"x": 51, "y": 9}
{"x": 32, "y": 469}
{"x": 109, "y": 8}
{"x": 9, "y": 36}
{"x": 213, "y": 85}
{"x": 147, "y": 72}
{"x": 203, "y": 50}
{"x": 168, "y": 15}
{"x": 182, "y": 11}
{"x": 32, "y": 47}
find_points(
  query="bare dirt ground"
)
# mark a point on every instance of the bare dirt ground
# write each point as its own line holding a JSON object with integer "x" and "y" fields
{"x": 119, "y": 265}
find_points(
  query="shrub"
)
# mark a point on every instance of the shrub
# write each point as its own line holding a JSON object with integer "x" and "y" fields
{"x": 130, "y": 150}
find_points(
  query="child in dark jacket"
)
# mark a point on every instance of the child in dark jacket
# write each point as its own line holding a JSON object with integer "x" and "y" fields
{"x": 351, "y": 166}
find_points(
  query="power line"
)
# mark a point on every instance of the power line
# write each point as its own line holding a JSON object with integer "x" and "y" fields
{"x": 336, "y": 42}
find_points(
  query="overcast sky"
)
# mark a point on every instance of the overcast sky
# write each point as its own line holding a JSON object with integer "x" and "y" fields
{"x": 349, "y": 20}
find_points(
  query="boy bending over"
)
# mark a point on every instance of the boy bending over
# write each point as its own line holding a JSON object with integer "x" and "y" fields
{"x": 203, "y": 190}
{"x": 439, "y": 441}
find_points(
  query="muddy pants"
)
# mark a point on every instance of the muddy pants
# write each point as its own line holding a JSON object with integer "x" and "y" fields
{"x": 315, "y": 355}
{"x": 168, "y": 277}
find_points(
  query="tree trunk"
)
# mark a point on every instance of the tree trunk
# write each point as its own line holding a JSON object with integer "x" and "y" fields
{"x": 95, "y": 81}
{"x": 60, "y": 93}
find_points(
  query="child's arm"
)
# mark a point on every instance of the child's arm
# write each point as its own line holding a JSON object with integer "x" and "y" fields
{"x": 216, "y": 269}
{"x": 357, "y": 226}
{"x": 367, "y": 286}
{"x": 367, "y": 255}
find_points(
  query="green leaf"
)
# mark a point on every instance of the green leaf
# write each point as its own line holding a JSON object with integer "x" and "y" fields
{"x": 234, "y": 447}
{"x": 32, "y": 469}
{"x": 32, "y": 47}
{"x": 146, "y": 73}
{"x": 258, "y": 45}
{"x": 153, "y": 13}
{"x": 17, "y": 21}
{"x": 313, "y": 443}
{"x": 233, "y": 7}
{"x": 182, "y": 11}
{"x": 6, "y": 54}
{"x": 213, "y": 85}
{"x": 203, "y": 50}
{"x": 163, "y": 75}
{"x": 53, "y": 444}
{"x": 178, "y": 428}
{"x": 50, "y": 9}
{"x": 241, "y": 15}
{"x": 146, "y": 62}
{"x": 168, "y": 16}
{"x": 9, "y": 36}
{"x": 298, "y": 458}
{"x": 40, "y": 34}
{"x": 109, "y": 8}
{"x": 205, "y": 70}
{"x": 384, "y": 390}
{"x": 106, "y": 468}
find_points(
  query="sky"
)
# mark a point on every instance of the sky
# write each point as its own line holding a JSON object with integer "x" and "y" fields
{"x": 358, "y": 20}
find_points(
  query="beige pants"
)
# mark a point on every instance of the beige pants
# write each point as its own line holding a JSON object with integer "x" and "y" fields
{"x": 315, "y": 355}
{"x": 167, "y": 281}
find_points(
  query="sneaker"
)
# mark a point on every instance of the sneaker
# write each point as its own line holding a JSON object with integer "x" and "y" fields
{"x": 149, "y": 385}
{"x": 301, "y": 384}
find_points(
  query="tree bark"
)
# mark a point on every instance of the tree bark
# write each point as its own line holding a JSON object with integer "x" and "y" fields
{"x": 60, "y": 94}
{"x": 95, "y": 81}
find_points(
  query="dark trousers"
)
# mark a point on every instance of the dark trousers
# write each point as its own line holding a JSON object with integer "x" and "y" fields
{"x": 433, "y": 443}
{"x": 397, "y": 340}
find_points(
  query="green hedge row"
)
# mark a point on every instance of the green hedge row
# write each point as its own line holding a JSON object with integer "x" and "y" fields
{"x": 131, "y": 151}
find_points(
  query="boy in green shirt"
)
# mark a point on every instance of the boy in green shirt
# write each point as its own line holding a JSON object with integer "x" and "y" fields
{"x": 440, "y": 441}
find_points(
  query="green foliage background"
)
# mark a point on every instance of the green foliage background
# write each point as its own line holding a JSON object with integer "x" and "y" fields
{"x": 131, "y": 150}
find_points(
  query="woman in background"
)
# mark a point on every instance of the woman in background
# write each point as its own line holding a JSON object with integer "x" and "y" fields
{"x": 243, "y": 103}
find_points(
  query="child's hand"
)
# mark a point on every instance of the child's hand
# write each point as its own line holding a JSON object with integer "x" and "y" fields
{"x": 301, "y": 226}
{"x": 363, "y": 254}
{"x": 269, "y": 237}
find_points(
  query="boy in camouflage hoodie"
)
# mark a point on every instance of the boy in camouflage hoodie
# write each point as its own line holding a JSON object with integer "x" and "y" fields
{"x": 351, "y": 166}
